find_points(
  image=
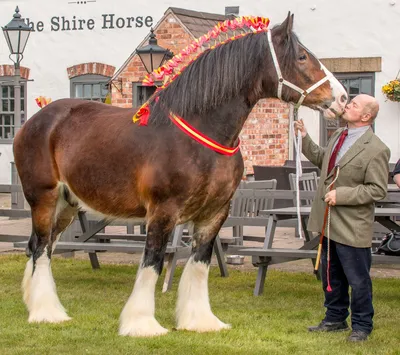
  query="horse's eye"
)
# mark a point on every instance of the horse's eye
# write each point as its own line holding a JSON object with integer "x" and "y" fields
{"x": 302, "y": 58}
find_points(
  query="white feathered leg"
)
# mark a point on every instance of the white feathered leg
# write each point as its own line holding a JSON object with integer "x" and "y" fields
{"x": 137, "y": 318}
{"x": 27, "y": 281}
{"x": 40, "y": 294}
{"x": 193, "y": 310}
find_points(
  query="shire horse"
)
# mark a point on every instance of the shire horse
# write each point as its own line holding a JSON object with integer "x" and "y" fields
{"x": 75, "y": 153}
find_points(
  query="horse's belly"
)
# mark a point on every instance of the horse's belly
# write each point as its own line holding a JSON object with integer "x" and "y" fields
{"x": 106, "y": 206}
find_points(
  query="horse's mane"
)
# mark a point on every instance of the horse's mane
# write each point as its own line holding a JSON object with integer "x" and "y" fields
{"x": 218, "y": 75}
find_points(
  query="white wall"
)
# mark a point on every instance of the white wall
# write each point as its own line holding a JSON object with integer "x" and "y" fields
{"x": 6, "y": 156}
{"x": 311, "y": 120}
{"x": 339, "y": 28}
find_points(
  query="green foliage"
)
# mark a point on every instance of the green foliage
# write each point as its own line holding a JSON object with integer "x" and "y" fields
{"x": 274, "y": 323}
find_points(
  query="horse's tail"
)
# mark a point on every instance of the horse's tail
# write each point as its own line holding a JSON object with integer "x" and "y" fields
{"x": 34, "y": 157}
{"x": 33, "y": 148}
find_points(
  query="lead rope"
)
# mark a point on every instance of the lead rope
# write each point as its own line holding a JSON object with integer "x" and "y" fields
{"x": 299, "y": 170}
{"x": 328, "y": 251}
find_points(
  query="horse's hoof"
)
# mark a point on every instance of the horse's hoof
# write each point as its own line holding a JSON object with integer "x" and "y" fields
{"x": 46, "y": 316}
{"x": 142, "y": 327}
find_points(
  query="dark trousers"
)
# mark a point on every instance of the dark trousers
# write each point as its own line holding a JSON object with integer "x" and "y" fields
{"x": 349, "y": 266}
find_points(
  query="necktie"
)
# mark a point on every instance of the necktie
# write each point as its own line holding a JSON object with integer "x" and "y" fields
{"x": 335, "y": 152}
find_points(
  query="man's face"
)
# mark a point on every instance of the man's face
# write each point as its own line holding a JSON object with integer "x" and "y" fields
{"x": 354, "y": 110}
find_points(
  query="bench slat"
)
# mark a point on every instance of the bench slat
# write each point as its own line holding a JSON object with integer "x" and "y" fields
{"x": 280, "y": 252}
{"x": 304, "y": 254}
{"x": 7, "y": 212}
{"x": 13, "y": 238}
{"x": 111, "y": 247}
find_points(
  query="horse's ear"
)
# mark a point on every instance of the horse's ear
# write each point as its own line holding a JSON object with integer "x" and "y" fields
{"x": 287, "y": 25}
{"x": 289, "y": 29}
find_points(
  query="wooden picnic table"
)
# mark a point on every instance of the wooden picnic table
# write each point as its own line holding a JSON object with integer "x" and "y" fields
{"x": 90, "y": 240}
{"x": 267, "y": 255}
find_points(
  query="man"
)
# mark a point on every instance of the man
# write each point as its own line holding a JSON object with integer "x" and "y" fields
{"x": 361, "y": 161}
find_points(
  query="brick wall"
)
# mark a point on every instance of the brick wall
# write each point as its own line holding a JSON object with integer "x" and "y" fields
{"x": 169, "y": 35}
{"x": 90, "y": 68}
{"x": 8, "y": 70}
{"x": 265, "y": 134}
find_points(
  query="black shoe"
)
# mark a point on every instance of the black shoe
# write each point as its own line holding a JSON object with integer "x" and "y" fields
{"x": 358, "y": 335}
{"x": 325, "y": 326}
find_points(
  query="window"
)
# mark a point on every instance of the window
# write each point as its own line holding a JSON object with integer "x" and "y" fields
{"x": 90, "y": 87}
{"x": 357, "y": 83}
{"x": 7, "y": 124}
{"x": 141, "y": 94}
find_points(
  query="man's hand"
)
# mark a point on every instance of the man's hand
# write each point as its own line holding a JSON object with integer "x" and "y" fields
{"x": 299, "y": 126}
{"x": 330, "y": 198}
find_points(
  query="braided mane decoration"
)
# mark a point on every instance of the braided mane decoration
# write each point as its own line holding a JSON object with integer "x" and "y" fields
{"x": 222, "y": 33}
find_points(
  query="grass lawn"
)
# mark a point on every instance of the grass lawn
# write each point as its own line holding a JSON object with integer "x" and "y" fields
{"x": 274, "y": 323}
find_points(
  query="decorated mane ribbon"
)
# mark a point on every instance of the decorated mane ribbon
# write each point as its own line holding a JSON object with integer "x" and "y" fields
{"x": 174, "y": 67}
{"x": 142, "y": 115}
{"x": 201, "y": 138}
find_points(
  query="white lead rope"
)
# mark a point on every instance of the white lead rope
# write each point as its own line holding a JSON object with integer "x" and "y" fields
{"x": 299, "y": 172}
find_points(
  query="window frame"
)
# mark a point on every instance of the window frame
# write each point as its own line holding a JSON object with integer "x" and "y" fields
{"x": 9, "y": 81}
{"x": 323, "y": 134}
{"x": 136, "y": 86}
{"x": 87, "y": 79}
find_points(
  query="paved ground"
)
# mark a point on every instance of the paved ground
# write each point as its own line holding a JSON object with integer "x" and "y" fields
{"x": 284, "y": 238}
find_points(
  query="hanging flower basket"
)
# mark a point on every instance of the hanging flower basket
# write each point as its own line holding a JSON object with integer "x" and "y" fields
{"x": 392, "y": 90}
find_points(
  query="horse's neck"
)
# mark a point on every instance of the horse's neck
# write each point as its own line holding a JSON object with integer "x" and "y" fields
{"x": 225, "y": 122}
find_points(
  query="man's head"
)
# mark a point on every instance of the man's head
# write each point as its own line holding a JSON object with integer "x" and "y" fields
{"x": 361, "y": 111}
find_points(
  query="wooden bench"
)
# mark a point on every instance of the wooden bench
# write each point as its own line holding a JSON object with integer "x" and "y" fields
{"x": 87, "y": 233}
{"x": 296, "y": 254}
{"x": 246, "y": 203}
{"x": 90, "y": 237}
{"x": 257, "y": 198}
{"x": 267, "y": 255}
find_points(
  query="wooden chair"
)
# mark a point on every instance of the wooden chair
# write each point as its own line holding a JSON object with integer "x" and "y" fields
{"x": 307, "y": 182}
{"x": 245, "y": 206}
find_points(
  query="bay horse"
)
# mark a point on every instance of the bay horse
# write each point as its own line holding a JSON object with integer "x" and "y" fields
{"x": 76, "y": 153}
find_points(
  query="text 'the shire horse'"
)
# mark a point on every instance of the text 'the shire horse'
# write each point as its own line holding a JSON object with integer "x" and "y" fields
{"x": 75, "y": 153}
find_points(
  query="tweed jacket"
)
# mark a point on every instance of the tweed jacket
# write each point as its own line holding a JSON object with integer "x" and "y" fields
{"x": 362, "y": 180}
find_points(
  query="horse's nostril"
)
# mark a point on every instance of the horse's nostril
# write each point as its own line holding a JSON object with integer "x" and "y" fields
{"x": 343, "y": 98}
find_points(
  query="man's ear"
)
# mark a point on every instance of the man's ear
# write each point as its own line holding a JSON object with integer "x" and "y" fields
{"x": 366, "y": 117}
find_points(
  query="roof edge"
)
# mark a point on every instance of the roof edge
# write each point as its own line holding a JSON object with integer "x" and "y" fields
{"x": 197, "y": 14}
{"x": 174, "y": 11}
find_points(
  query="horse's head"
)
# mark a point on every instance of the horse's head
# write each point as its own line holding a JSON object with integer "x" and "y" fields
{"x": 304, "y": 79}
